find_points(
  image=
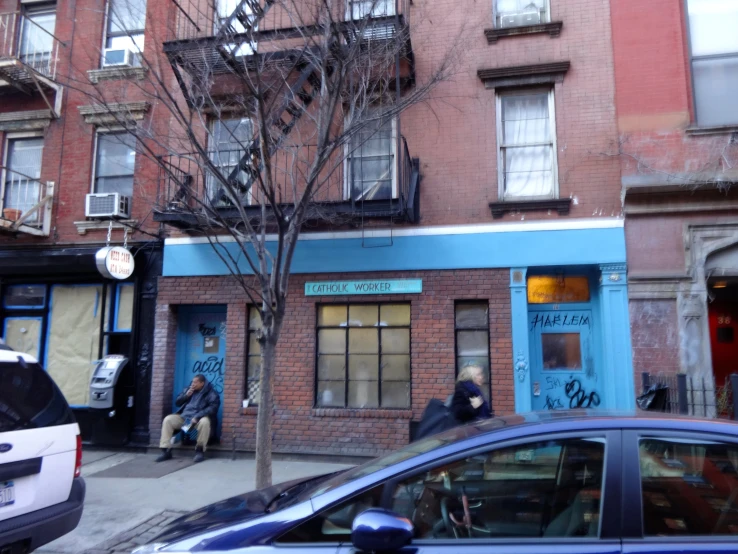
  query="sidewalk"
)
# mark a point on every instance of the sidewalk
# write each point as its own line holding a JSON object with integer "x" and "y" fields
{"x": 115, "y": 506}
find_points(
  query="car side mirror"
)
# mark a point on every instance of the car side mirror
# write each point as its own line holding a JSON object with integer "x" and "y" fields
{"x": 378, "y": 530}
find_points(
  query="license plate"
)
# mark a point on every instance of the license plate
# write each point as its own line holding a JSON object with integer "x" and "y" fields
{"x": 7, "y": 494}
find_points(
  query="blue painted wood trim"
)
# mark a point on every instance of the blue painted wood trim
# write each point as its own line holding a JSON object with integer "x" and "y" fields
{"x": 425, "y": 252}
{"x": 521, "y": 350}
{"x": 617, "y": 353}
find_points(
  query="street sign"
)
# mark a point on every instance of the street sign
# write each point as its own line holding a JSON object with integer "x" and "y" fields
{"x": 115, "y": 262}
{"x": 388, "y": 286}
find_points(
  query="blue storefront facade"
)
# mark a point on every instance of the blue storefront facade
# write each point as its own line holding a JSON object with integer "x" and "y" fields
{"x": 559, "y": 299}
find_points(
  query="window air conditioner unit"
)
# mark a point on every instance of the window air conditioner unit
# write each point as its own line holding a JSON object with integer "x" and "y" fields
{"x": 117, "y": 57}
{"x": 110, "y": 204}
{"x": 530, "y": 17}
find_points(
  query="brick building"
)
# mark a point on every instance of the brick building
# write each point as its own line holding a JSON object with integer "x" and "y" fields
{"x": 498, "y": 238}
{"x": 518, "y": 267}
{"x": 56, "y": 149}
{"x": 678, "y": 127}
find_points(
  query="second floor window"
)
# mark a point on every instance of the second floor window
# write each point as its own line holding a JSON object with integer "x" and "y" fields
{"x": 115, "y": 162}
{"x": 22, "y": 186}
{"x": 713, "y": 37}
{"x": 359, "y": 9}
{"x": 371, "y": 162}
{"x": 124, "y": 37}
{"x": 518, "y": 13}
{"x": 228, "y": 141}
{"x": 526, "y": 145}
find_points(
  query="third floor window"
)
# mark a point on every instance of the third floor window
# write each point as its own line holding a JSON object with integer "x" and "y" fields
{"x": 713, "y": 33}
{"x": 518, "y": 13}
{"x": 124, "y": 36}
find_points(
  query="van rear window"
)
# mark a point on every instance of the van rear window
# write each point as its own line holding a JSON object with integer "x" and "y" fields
{"x": 29, "y": 399}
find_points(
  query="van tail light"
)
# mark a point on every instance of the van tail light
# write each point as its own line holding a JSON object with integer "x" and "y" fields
{"x": 78, "y": 460}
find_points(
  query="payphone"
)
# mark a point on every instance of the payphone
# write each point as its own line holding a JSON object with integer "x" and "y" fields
{"x": 103, "y": 381}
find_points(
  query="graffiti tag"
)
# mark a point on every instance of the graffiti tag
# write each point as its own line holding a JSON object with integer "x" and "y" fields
{"x": 553, "y": 403}
{"x": 558, "y": 320}
{"x": 212, "y": 368}
{"x": 206, "y": 331}
{"x": 578, "y": 397}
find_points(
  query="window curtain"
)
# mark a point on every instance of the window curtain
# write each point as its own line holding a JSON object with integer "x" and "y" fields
{"x": 527, "y": 153}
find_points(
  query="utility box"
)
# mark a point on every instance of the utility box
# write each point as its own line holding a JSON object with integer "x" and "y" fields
{"x": 104, "y": 379}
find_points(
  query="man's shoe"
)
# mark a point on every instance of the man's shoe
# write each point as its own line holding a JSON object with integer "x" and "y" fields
{"x": 164, "y": 456}
{"x": 199, "y": 456}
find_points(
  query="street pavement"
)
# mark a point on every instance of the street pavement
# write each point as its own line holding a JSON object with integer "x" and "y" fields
{"x": 121, "y": 513}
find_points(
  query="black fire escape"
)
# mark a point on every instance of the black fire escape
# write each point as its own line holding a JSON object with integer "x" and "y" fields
{"x": 199, "y": 59}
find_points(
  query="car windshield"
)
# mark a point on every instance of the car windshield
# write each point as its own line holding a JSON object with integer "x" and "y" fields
{"x": 414, "y": 449}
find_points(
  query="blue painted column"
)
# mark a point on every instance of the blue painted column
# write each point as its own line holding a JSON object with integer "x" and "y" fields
{"x": 617, "y": 355}
{"x": 521, "y": 361}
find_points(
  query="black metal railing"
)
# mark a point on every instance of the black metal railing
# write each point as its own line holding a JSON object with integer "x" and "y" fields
{"x": 191, "y": 183}
{"x": 698, "y": 396}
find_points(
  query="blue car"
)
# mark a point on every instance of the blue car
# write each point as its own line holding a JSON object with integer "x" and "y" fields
{"x": 555, "y": 482}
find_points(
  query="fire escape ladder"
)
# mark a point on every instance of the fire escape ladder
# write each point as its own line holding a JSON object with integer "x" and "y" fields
{"x": 297, "y": 100}
{"x": 248, "y": 13}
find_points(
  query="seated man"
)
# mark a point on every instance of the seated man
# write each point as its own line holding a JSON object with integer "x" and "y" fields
{"x": 198, "y": 406}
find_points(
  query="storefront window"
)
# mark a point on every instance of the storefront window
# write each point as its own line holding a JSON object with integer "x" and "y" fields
{"x": 19, "y": 297}
{"x": 124, "y": 308}
{"x": 253, "y": 366}
{"x": 472, "y": 338}
{"x": 363, "y": 356}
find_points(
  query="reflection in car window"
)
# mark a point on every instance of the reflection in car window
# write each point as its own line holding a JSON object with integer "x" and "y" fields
{"x": 543, "y": 489}
{"x": 689, "y": 487}
{"x": 334, "y": 524}
{"x": 29, "y": 398}
{"x": 410, "y": 451}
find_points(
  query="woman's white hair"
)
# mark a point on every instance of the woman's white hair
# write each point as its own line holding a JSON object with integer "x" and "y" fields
{"x": 467, "y": 373}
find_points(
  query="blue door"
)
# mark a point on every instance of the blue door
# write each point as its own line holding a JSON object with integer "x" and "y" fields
{"x": 201, "y": 348}
{"x": 563, "y": 372}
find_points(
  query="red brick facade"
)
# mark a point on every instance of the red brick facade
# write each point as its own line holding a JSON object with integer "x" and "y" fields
{"x": 298, "y": 425}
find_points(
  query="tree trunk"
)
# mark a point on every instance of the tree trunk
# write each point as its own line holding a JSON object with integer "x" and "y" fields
{"x": 264, "y": 416}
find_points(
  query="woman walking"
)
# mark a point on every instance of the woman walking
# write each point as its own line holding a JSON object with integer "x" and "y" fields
{"x": 468, "y": 403}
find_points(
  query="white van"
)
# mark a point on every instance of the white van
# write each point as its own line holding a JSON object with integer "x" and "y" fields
{"x": 41, "y": 491}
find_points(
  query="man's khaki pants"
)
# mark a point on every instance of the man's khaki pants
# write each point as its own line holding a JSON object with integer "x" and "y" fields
{"x": 173, "y": 424}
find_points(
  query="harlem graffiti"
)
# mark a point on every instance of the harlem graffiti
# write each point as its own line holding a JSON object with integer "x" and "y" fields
{"x": 542, "y": 321}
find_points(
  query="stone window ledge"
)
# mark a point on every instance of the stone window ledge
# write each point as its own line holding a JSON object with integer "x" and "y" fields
{"x": 251, "y": 410}
{"x": 524, "y": 75}
{"x": 561, "y": 205}
{"x": 99, "y": 225}
{"x": 553, "y": 29}
{"x": 696, "y": 130}
{"x": 380, "y": 413}
{"x": 117, "y": 114}
{"x": 116, "y": 73}
{"x": 28, "y": 120}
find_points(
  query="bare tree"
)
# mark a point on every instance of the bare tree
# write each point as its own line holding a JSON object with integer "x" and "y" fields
{"x": 268, "y": 103}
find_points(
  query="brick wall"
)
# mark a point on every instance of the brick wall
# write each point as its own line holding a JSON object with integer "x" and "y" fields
{"x": 655, "y": 337}
{"x": 298, "y": 427}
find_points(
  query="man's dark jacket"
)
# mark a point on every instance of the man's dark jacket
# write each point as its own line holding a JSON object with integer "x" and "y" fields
{"x": 207, "y": 404}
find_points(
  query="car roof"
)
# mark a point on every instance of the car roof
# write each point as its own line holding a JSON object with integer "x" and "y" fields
{"x": 600, "y": 419}
{"x": 7, "y": 354}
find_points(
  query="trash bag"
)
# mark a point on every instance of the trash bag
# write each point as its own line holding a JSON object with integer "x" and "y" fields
{"x": 655, "y": 399}
{"x": 437, "y": 417}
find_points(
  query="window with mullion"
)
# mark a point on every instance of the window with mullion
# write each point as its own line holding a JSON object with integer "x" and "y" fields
{"x": 227, "y": 144}
{"x": 471, "y": 323}
{"x": 714, "y": 52}
{"x": 363, "y": 358}
{"x": 253, "y": 355}
{"x": 371, "y": 162}
{"x": 519, "y": 13}
{"x": 115, "y": 163}
{"x": 526, "y": 145}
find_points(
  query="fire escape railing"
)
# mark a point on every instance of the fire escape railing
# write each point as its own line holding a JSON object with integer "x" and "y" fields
{"x": 24, "y": 40}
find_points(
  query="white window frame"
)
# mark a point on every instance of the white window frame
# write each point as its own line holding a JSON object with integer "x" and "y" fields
{"x": 211, "y": 136}
{"x": 6, "y": 149}
{"x": 501, "y": 146}
{"x": 497, "y": 25}
{"x": 138, "y": 54}
{"x": 112, "y": 130}
{"x": 349, "y": 156}
{"x": 350, "y": 14}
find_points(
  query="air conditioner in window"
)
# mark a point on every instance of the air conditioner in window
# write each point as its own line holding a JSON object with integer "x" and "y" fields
{"x": 118, "y": 57}
{"x": 528, "y": 17}
{"x": 109, "y": 204}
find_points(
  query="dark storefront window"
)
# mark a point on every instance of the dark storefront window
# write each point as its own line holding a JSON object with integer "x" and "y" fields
{"x": 472, "y": 338}
{"x": 363, "y": 358}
